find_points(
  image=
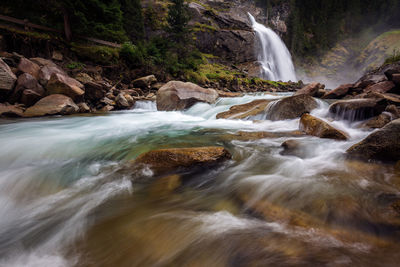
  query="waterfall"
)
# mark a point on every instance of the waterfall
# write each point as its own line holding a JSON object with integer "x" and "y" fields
{"x": 273, "y": 55}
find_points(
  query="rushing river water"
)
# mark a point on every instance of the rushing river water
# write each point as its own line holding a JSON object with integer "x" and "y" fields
{"x": 64, "y": 200}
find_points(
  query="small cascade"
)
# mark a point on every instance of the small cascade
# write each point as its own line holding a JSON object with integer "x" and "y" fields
{"x": 273, "y": 55}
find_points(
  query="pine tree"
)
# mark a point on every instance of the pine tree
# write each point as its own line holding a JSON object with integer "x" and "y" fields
{"x": 178, "y": 18}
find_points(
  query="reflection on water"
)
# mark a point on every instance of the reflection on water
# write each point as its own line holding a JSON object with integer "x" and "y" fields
{"x": 67, "y": 199}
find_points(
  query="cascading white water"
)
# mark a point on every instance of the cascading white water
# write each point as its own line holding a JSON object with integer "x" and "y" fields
{"x": 276, "y": 61}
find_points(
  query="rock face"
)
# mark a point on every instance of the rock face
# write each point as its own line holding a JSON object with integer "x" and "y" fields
{"x": 7, "y": 77}
{"x": 357, "y": 109}
{"x": 310, "y": 89}
{"x": 245, "y": 110}
{"x": 27, "y": 66}
{"x": 383, "y": 144}
{"x": 291, "y": 107}
{"x": 177, "y": 159}
{"x": 52, "y": 105}
{"x": 61, "y": 84}
{"x": 316, "y": 127}
{"x": 176, "y": 95}
{"x": 28, "y": 91}
{"x": 145, "y": 82}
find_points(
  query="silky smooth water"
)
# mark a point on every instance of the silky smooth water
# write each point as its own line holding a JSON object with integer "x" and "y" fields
{"x": 68, "y": 199}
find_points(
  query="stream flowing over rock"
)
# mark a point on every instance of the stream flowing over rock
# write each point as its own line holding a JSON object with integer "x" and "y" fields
{"x": 291, "y": 107}
{"x": 317, "y": 127}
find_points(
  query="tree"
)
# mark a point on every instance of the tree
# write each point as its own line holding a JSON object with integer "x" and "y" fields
{"x": 178, "y": 18}
{"x": 133, "y": 19}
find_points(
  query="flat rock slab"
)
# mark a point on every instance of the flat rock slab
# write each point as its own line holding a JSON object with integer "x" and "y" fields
{"x": 245, "y": 110}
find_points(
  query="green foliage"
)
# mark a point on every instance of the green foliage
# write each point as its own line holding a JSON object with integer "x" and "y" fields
{"x": 97, "y": 53}
{"x": 73, "y": 65}
{"x": 178, "y": 18}
{"x": 133, "y": 55}
{"x": 393, "y": 58}
{"x": 133, "y": 19}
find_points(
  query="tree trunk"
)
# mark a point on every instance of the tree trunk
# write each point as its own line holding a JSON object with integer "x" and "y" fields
{"x": 67, "y": 26}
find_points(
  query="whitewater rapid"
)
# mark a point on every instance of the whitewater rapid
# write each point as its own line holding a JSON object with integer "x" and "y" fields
{"x": 60, "y": 180}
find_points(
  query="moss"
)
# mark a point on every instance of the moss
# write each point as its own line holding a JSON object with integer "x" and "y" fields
{"x": 96, "y": 53}
{"x": 73, "y": 65}
{"x": 203, "y": 27}
{"x": 33, "y": 34}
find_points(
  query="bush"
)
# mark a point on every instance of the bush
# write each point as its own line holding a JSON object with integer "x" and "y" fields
{"x": 97, "y": 53}
{"x": 133, "y": 55}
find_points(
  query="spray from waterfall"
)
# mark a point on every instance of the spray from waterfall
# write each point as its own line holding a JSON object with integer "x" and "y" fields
{"x": 274, "y": 57}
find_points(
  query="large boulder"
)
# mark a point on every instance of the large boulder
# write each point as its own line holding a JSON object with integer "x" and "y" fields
{"x": 52, "y": 105}
{"x": 358, "y": 109}
{"x": 28, "y": 91}
{"x": 382, "y": 87}
{"x": 94, "y": 91}
{"x": 7, "y": 110}
{"x": 339, "y": 92}
{"x": 177, "y": 95}
{"x": 164, "y": 161}
{"x": 62, "y": 84}
{"x": 310, "y": 89}
{"x": 144, "y": 82}
{"x": 27, "y": 66}
{"x": 317, "y": 127}
{"x": 383, "y": 144}
{"x": 243, "y": 111}
{"x": 7, "y": 77}
{"x": 47, "y": 71}
{"x": 291, "y": 107}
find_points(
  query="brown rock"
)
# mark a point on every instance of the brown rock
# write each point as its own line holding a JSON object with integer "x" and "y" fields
{"x": 245, "y": 110}
{"x": 177, "y": 95}
{"x": 339, "y": 92}
{"x": 291, "y": 107}
{"x": 94, "y": 91}
{"x": 43, "y": 62}
{"x": 358, "y": 109}
{"x": 176, "y": 159}
{"x": 370, "y": 79}
{"x": 382, "y": 87}
{"x": 293, "y": 148}
{"x": 84, "y": 78}
{"x": 310, "y": 89}
{"x": 122, "y": 102}
{"x": 383, "y": 144}
{"x": 394, "y": 111}
{"x": 57, "y": 56}
{"x": 61, "y": 84}
{"x": 83, "y": 107}
{"x": 47, "y": 71}
{"x": 7, "y": 77}
{"x": 248, "y": 136}
{"x": 317, "y": 127}
{"x": 228, "y": 94}
{"x": 28, "y": 91}
{"x": 378, "y": 121}
{"x": 145, "y": 82}
{"x": 164, "y": 186}
{"x": 52, "y": 105}
{"x": 27, "y": 66}
{"x": 13, "y": 111}
{"x": 107, "y": 108}
{"x": 396, "y": 78}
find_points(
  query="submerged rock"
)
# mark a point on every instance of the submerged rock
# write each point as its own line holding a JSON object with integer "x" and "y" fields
{"x": 177, "y": 95}
{"x": 358, "y": 109}
{"x": 291, "y": 107}
{"x": 317, "y": 127}
{"x": 243, "y": 111}
{"x": 383, "y": 144}
{"x": 177, "y": 159}
{"x": 52, "y": 105}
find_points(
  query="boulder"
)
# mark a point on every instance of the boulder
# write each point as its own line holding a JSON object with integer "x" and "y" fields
{"x": 293, "y": 148}
{"x": 48, "y": 70}
{"x": 310, "y": 89}
{"x": 291, "y": 107}
{"x": 378, "y": 121}
{"x": 394, "y": 111}
{"x": 62, "y": 84}
{"x": 7, "y": 77}
{"x": 27, "y": 66}
{"x": 396, "y": 78}
{"x": 55, "y": 104}
{"x": 94, "y": 91}
{"x": 83, "y": 107}
{"x": 107, "y": 108}
{"x": 28, "y": 91}
{"x": 317, "y": 127}
{"x": 370, "y": 79}
{"x": 13, "y": 111}
{"x": 145, "y": 82}
{"x": 122, "y": 102}
{"x": 382, "y": 87}
{"x": 43, "y": 62}
{"x": 164, "y": 161}
{"x": 339, "y": 92}
{"x": 358, "y": 109}
{"x": 243, "y": 111}
{"x": 383, "y": 144}
{"x": 84, "y": 78}
{"x": 177, "y": 95}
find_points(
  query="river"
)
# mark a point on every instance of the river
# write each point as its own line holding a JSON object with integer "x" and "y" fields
{"x": 66, "y": 199}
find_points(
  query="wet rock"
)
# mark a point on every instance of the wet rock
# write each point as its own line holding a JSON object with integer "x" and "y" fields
{"x": 28, "y": 91}
{"x": 177, "y": 95}
{"x": 145, "y": 82}
{"x": 248, "y": 136}
{"x": 47, "y": 71}
{"x": 107, "y": 108}
{"x": 394, "y": 111}
{"x": 383, "y": 144}
{"x": 27, "y": 66}
{"x": 317, "y": 127}
{"x": 243, "y": 111}
{"x": 7, "y": 77}
{"x": 83, "y": 107}
{"x": 122, "y": 102}
{"x": 310, "y": 89}
{"x": 357, "y": 109}
{"x": 292, "y": 148}
{"x": 165, "y": 186}
{"x": 13, "y": 111}
{"x": 291, "y": 107}
{"x": 107, "y": 101}
{"x": 61, "y": 84}
{"x": 228, "y": 94}
{"x": 55, "y": 104}
{"x": 382, "y": 87}
{"x": 339, "y": 92}
{"x": 178, "y": 159}
{"x": 378, "y": 121}
{"x": 94, "y": 91}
